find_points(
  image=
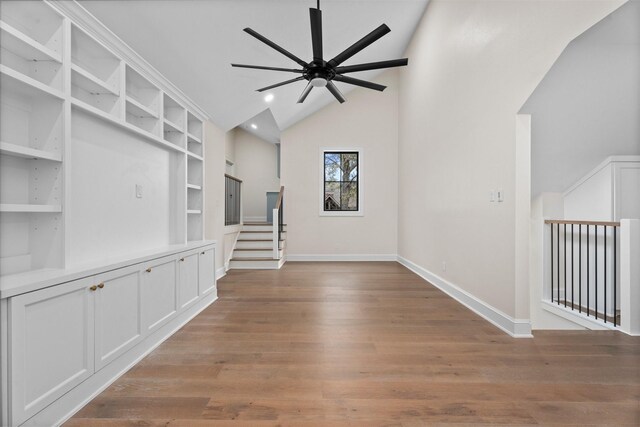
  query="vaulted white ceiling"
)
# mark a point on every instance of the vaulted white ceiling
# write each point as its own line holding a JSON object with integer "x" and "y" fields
{"x": 193, "y": 43}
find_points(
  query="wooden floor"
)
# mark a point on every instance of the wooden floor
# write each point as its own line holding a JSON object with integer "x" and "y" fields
{"x": 366, "y": 344}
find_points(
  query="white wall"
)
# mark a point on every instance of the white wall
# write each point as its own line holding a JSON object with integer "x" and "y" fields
{"x": 472, "y": 64}
{"x": 256, "y": 166}
{"x": 104, "y": 216}
{"x": 587, "y": 106}
{"x": 215, "y": 146}
{"x": 368, "y": 120}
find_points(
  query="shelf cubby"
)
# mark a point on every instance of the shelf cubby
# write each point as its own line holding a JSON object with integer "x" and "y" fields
{"x": 194, "y": 171}
{"x": 29, "y": 57}
{"x": 30, "y": 117}
{"x": 94, "y": 73}
{"x": 194, "y": 226}
{"x": 31, "y": 240}
{"x": 28, "y": 185}
{"x": 174, "y": 114}
{"x": 34, "y": 23}
{"x": 142, "y": 94}
{"x": 173, "y": 134}
{"x": 194, "y": 199}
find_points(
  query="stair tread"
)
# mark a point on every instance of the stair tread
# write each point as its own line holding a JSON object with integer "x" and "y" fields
{"x": 254, "y": 259}
{"x": 258, "y": 223}
{"x": 258, "y": 240}
{"x": 253, "y": 249}
{"x": 259, "y": 232}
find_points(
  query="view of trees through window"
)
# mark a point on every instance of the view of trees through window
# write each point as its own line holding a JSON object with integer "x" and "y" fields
{"x": 340, "y": 181}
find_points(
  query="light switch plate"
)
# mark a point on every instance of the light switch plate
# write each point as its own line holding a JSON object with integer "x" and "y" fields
{"x": 139, "y": 191}
{"x": 500, "y": 196}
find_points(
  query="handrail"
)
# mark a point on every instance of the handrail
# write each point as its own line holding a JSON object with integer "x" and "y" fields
{"x": 279, "y": 200}
{"x": 566, "y": 221}
{"x": 232, "y": 177}
{"x": 278, "y": 220}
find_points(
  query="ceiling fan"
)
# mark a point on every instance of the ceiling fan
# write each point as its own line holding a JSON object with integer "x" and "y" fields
{"x": 321, "y": 73}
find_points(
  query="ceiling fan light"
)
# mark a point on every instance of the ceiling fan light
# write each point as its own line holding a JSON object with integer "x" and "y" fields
{"x": 318, "y": 82}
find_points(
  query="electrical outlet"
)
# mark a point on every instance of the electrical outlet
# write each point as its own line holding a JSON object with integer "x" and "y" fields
{"x": 500, "y": 196}
{"x": 492, "y": 196}
{"x": 139, "y": 191}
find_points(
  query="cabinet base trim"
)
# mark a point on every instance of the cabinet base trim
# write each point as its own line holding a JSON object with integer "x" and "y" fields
{"x": 66, "y": 406}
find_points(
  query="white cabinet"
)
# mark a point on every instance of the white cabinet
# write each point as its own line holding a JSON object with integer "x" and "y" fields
{"x": 51, "y": 345}
{"x": 188, "y": 279}
{"x": 207, "y": 271}
{"x": 159, "y": 293}
{"x": 118, "y": 320}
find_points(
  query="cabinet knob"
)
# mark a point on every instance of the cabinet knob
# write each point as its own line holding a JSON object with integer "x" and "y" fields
{"x": 93, "y": 288}
{"x": 149, "y": 270}
{"x": 201, "y": 253}
{"x": 181, "y": 259}
{"x": 101, "y": 285}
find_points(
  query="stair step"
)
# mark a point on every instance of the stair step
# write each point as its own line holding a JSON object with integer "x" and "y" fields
{"x": 255, "y": 253}
{"x": 256, "y": 263}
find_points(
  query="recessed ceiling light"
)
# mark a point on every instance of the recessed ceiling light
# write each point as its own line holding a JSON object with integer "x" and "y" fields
{"x": 268, "y": 97}
{"x": 254, "y": 126}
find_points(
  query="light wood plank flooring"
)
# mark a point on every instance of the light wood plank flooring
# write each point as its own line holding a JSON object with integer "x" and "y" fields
{"x": 367, "y": 344}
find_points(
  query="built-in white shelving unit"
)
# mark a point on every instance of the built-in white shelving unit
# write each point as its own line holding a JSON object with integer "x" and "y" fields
{"x": 60, "y": 83}
{"x": 101, "y": 210}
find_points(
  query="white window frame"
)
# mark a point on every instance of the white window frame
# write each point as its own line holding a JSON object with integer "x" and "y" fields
{"x": 360, "y": 211}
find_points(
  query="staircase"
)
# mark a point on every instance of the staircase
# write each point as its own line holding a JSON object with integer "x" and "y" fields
{"x": 255, "y": 248}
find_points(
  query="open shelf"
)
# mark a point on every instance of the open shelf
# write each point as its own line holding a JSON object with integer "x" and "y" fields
{"x": 172, "y": 127}
{"x": 142, "y": 94}
{"x": 28, "y": 152}
{"x": 27, "y": 56}
{"x": 193, "y": 138}
{"x": 12, "y": 77}
{"x": 194, "y": 127}
{"x": 139, "y": 110}
{"x": 174, "y": 113}
{"x": 194, "y": 156}
{"x": 36, "y": 24}
{"x": 90, "y": 83}
{"x": 16, "y": 207}
{"x": 194, "y": 211}
{"x": 194, "y": 171}
{"x": 194, "y": 226}
{"x": 82, "y": 106}
{"x": 30, "y": 115}
{"x": 95, "y": 59}
{"x": 194, "y": 187}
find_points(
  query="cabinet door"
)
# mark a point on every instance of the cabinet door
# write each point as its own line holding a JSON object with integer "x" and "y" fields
{"x": 188, "y": 279}
{"x": 51, "y": 345}
{"x": 159, "y": 296}
{"x": 118, "y": 324}
{"x": 207, "y": 271}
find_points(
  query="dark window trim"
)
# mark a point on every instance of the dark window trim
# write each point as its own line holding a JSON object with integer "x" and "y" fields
{"x": 324, "y": 177}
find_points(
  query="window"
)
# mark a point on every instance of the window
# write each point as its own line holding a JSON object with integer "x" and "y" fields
{"x": 341, "y": 195}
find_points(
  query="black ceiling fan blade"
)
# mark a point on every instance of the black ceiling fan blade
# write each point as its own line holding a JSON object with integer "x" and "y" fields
{"x": 262, "y": 67}
{"x": 335, "y": 92}
{"x": 271, "y": 44}
{"x": 358, "y": 82}
{"x": 280, "y": 84}
{"x": 359, "y": 45}
{"x": 372, "y": 66}
{"x": 316, "y": 33}
{"x": 305, "y": 93}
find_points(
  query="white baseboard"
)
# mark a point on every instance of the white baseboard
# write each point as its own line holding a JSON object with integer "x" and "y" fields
{"x": 341, "y": 257}
{"x": 517, "y": 328}
{"x": 221, "y": 272}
